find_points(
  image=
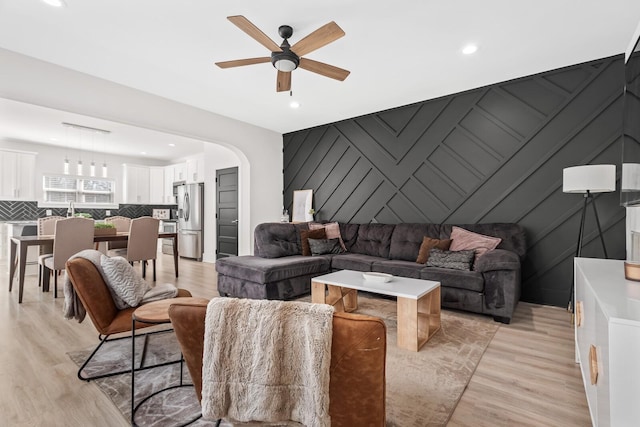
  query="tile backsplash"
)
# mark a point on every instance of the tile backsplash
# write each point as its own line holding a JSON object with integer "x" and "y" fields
{"x": 14, "y": 210}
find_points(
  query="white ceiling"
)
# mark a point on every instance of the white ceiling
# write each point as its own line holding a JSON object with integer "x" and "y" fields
{"x": 398, "y": 52}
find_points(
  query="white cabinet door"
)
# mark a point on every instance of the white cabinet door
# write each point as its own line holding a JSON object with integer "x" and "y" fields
{"x": 156, "y": 185}
{"x": 17, "y": 175}
{"x": 180, "y": 172}
{"x": 136, "y": 184}
{"x": 195, "y": 169}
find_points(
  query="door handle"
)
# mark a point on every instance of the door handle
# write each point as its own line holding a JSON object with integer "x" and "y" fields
{"x": 235, "y": 221}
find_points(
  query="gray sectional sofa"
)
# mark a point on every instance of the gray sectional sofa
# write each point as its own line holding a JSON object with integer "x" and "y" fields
{"x": 279, "y": 271}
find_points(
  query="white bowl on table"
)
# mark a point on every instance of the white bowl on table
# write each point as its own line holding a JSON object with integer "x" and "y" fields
{"x": 377, "y": 277}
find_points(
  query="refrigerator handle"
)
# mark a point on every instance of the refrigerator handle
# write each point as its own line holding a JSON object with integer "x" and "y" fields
{"x": 187, "y": 207}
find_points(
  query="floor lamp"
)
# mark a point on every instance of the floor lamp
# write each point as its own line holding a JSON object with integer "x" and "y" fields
{"x": 588, "y": 179}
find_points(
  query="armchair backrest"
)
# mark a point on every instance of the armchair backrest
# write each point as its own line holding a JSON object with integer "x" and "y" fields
{"x": 358, "y": 357}
{"x": 95, "y": 296}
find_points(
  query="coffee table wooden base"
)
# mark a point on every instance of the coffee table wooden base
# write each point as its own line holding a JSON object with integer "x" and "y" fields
{"x": 418, "y": 319}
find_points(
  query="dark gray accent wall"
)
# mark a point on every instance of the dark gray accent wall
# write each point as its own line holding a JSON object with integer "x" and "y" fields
{"x": 493, "y": 154}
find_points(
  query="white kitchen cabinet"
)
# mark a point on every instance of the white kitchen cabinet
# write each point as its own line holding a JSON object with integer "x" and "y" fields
{"x": 136, "y": 184}
{"x": 17, "y": 173}
{"x": 195, "y": 169}
{"x": 156, "y": 185}
{"x": 169, "y": 172}
{"x": 180, "y": 172}
{"x": 607, "y": 331}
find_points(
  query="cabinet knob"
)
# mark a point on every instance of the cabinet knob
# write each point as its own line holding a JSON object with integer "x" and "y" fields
{"x": 593, "y": 364}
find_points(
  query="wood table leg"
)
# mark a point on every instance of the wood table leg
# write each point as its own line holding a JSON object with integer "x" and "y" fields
{"x": 318, "y": 293}
{"x": 418, "y": 320}
{"x": 23, "y": 263}
{"x": 342, "y": 299}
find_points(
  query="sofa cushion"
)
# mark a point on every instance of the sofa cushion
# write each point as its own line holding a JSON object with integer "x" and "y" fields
{"x": 398, "y": 267}
{"x": 275, "y": 240}
{"x": 462, "y": 239}
{"x": 469, "y": 280}
{"x": 264, "y": 270}
{"x": 351, "y": 261}
{"x": 374, "y": 240}
{"x": 331, "y": 229}
{"x": 513, "y": 235}
{"x": 407, "y": 238}
{"x": 457, "y": 260}
{"x": 305, "y": 235}
{"x": 325, "y": 246}
{"x": 349, "y": 233}
{"x": 429, "y": 243}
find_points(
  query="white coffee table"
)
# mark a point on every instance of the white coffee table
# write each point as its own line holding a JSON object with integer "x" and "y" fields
{"x": 418, "y": 301}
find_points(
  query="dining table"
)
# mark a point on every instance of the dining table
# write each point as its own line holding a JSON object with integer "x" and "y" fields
{"x": 20, "y": 244}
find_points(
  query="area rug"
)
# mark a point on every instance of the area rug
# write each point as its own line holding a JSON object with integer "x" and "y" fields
{"x": 423, "y": 388}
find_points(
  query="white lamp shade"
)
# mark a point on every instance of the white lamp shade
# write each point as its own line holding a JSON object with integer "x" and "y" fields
{"x": 630, "y": 177}
{"x": 592, "y": 178}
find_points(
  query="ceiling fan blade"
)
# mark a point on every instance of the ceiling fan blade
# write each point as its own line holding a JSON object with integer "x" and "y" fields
{"x": 320, "y": 37}
{"x": 254, "y": 32}
{"x": 283, "y": 83}
{"x": 241, "y": 62}
{"x": 323, "y": 69}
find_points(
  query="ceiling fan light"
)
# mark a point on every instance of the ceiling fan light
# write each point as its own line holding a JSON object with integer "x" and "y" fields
{"x": 285, "y": 65}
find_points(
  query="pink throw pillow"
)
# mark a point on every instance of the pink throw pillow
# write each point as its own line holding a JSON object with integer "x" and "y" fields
{"x": 331, "y": 229}
{"x": 462, "y": 239}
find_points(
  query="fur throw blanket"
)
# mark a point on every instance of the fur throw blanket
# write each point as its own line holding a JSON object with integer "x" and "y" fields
{"x": 127, "y": 287}
{"x": 267, "y": 361}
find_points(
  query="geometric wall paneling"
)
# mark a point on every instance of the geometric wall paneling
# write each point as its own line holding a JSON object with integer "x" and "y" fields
{"x": 492, "y": 154}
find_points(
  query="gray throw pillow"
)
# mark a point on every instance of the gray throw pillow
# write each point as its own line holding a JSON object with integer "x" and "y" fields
{"x": 457, "y": 260}
{"x": 325, "y": 246}
{"x": 126, "y": 285}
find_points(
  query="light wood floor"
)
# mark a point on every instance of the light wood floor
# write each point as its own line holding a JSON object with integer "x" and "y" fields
{"x": 527, "y": 376}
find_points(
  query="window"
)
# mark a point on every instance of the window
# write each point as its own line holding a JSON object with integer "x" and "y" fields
{"x": 82, "y": 190}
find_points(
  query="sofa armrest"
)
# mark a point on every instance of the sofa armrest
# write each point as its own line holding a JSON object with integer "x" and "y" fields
{"x": 497, "y": 259}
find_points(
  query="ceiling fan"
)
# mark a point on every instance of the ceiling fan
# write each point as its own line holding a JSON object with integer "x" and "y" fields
{"x": 286, "y": 58}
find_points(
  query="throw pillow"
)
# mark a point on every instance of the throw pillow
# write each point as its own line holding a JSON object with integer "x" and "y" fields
{"x": 325, "y": 246}
{"x": 126, "y": 285}
{"x": 332, "y": 229}
{"x": 429, "y": 243}
{"x": 457, "y": 260}
{"x": 305, "y": 235}
{"x": 464, "y": 239}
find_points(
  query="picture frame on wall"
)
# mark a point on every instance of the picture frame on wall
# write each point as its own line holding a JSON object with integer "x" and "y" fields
{"x": 302, "y": 201}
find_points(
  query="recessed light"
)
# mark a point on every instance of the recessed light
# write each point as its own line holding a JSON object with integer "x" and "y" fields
{"x": 470, "y": 49}
{"x": 144, "y": 153}
{"x": 55, "y": 3}
{"x": 53, "y": 139}
{"x": 172, "y": 145}
{"x": 294, "y": 104}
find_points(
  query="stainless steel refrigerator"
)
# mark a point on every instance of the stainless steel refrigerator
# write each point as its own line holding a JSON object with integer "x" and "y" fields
{"x": 190, "y": 220}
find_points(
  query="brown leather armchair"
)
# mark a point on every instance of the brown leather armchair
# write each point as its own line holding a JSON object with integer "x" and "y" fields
{"x": 98, "y": 302}
{"x": 358, "y": 355}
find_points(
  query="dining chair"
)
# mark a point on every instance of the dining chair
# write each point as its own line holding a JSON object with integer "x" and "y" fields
{"x": 143, "y": 243}
{"x": 71, "y": 235}
{"x": 46, "y": 227}
{"x": 122, "y": 224}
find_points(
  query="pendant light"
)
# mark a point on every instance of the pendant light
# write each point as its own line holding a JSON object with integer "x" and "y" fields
{"x": 65, "y": 167}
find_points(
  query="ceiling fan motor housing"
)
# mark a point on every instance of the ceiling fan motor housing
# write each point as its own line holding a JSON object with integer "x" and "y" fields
{"x": 286, "y": 60}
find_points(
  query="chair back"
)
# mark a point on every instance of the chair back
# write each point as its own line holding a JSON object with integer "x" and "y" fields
{"x": 143, "y": 239}
{"x": 122, "y": 224}
{"x": 95, "y": 296}
{"x": 71, "y": 236}
{"x": 358, "y": 356}
{"x": 47, "y": 227}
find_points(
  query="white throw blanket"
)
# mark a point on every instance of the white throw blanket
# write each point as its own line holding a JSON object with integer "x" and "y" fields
{"x": 267, "y": 361}
{"x": 125, "y": 277}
